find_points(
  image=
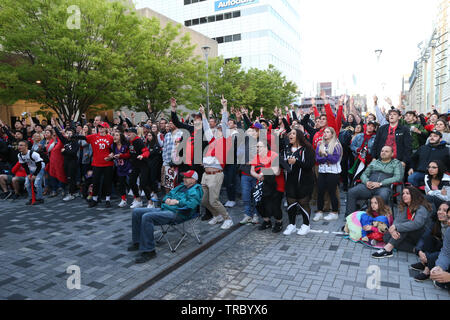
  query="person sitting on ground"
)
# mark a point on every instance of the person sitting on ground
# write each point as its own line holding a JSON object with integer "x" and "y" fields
{"x": 16, "y": 180}
{"x": 435, "y": 150}
{"x": 430, "y": 244}
{"x": 376, "y": 180}
{"x": 437, "y": 184}
{"x": 409, "y": 225}
{"x": 187, "y": 195}
{"x": 440, "y": 274}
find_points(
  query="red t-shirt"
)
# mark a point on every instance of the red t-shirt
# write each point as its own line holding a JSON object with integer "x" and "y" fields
{"x": 101, "y": 148}
{"x": 390, "y": 140}
{"x": 267, "y": 162}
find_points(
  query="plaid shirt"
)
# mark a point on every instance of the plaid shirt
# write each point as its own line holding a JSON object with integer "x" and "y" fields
{"x": 169, "y": 142}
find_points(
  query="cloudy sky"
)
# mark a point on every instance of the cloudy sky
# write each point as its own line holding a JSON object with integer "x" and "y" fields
{"x": 340, "y": 38}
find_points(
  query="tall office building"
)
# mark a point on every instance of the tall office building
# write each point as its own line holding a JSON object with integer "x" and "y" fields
{"x": 257, "y": 32}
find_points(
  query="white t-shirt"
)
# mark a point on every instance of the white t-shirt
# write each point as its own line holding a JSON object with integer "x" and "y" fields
{"x": 31, "y": 161}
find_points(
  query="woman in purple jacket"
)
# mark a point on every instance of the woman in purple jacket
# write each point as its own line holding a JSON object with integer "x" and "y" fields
{"x": 121, "y": 155}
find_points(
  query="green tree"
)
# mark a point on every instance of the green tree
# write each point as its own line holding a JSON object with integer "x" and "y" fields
{"x": 270, "y": 89}
{"x": 165, "y": 67}
{"x": 76, "y": 67}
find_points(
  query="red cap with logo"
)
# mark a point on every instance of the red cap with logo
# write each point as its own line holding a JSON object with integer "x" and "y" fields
{"x": 190, "y": 174}
{"x": 104, "y": 124}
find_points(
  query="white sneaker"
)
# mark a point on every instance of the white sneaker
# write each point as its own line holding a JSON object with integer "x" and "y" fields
{"x": 318, "y": 216}
{"x": 290, "y": 230}
{"x": 304, "y": 230}
{"x": 123, "y": 204}
{"x": 215, "y": 220}
{"x": 136, "y": 204}
{"x": 285, "y": 204}
{"x": 227, "y": 224}
{"x": 142, "y": 193}
{"x": 246, "y": 220}
{"x": 255, "y": 219}
{"x": 331, "y": 217}
{"x": 130, "y": 193}
{"x": 150, "y": 205}
{"x": 69, "y": 197}
{"x": 230, "y": 204}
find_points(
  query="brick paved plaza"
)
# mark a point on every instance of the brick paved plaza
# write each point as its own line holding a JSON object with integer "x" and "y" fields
{"x": 39, "y": 243}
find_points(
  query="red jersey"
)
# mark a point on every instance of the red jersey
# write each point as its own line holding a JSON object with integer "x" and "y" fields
{"x": 101, "y": 148}
{"x": 266, "y": 163}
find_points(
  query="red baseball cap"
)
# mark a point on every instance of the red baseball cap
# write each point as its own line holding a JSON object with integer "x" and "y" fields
{"x": 104, "y": 124}
{"x": 190, "y": 174}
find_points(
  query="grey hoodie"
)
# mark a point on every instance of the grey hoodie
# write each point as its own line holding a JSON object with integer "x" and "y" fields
{"x": 402, "y": 223}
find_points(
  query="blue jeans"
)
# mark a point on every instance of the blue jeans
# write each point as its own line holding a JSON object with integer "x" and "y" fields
{"x": 247, "y": 185}
{"x": 37, "y": 185}
{"x": 143, "y": 222}
{"x": 417, "y": 179}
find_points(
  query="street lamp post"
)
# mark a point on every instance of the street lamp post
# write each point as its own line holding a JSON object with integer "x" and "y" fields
{"x": 206, "y": 50}
{"x": 378, "y": 53}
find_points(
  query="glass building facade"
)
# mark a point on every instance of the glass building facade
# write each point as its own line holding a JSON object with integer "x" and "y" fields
{"x": 257, "y": 32}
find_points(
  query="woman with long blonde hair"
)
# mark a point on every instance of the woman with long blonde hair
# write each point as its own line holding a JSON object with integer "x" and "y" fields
{"x": 328, "y": 156}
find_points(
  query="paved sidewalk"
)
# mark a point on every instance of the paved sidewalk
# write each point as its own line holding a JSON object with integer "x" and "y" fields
{"x": 38, "y": 243}
{"x": 252, "y": 264}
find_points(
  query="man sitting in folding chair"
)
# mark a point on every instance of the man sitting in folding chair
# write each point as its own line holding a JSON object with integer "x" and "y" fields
{"x": 178, "y": 206}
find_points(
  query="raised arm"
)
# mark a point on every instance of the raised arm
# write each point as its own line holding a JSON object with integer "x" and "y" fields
{"x": 176, "y": 121}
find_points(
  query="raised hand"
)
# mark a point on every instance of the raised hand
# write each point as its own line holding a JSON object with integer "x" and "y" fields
{"x": 389, "y": 101}
{"x": 132, "y": 114}
{"x": 375, "y": 100}
{"x": 223, "y": 101}
{"x": 173, "y": 103}
{"x": 313, "y": 101}
{"x": 323, "y": 96}
{"x": 202, "y": 110}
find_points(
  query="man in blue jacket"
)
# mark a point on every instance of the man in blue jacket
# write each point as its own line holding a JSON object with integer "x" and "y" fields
{"x": 187, "y": 195}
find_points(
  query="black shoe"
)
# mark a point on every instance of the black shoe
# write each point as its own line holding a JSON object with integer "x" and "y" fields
{"x": 38, "y": 201}
{"x": 3, "y": 195}
{"x": 146, "y": 256}
{"x": 278, "y": 227}
{"x": 15, "y": 197}
{"x": 29, "y": 202}
{"x": 439, "y": 285}
{"x": 92, "y": 203}
{"x": 206, "y": 217}
{"x": 417, "y": 266}
{"x": 108, "y": 204}
{"x": 8, "y": 195}
{"x": 133, "y": 247}
{"x": 422, "y": 277}
{"x": 265, "y": 225}
{"x": 381, "y": 254}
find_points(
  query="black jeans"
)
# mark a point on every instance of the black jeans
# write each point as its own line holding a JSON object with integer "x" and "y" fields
{"x": 407, "y": 241}
{"x": 305, "y": 210}
{"x": 230, "y": 173}
{"x": 143, "y": 173}
{"x": 122, "y": 186}
{"x": 327, "y": 182}
{"x": 271, "y": 206}
{"x": 107, "y": 174}
{"x": 71, "y": 170}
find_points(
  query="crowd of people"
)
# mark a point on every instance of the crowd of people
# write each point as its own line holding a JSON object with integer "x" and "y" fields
{"x": 294, "y": 158}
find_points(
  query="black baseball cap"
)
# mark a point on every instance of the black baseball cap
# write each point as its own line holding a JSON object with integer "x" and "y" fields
{"x": 373, "y": 123}
{"x": 395, "y": 110}
{"x": 134, "y": 130}
{"x": 437, "y": 133}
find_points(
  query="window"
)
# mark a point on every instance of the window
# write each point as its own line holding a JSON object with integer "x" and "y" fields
{"x": 227, "y": 15}
{"x": 228, "y": 38}
{"x": 239, "y": 59}
{"x": 219, "y": 39}
{"x": 186, "y": 2}
{"x": 203, "y": 20}
{"x": 194, "y": 1}
{"x": 237, "y": 37}
{"x": 211, "y": 19}
{"x": 219, "y": 17}
{"x": 195, "y": 22}
{"x": 188, "y": 23}
{"x": 236, "y": 14}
